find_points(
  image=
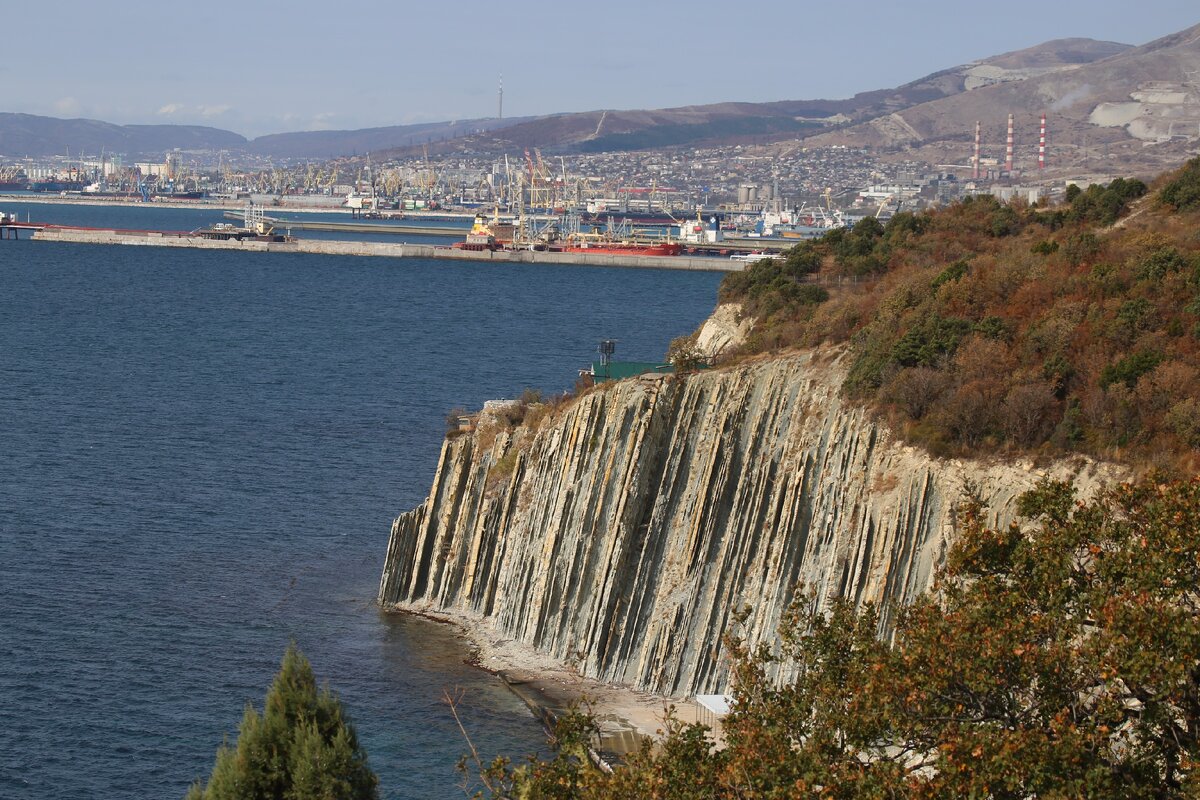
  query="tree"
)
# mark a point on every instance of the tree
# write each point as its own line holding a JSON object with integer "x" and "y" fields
{"x": 302, "y": 747}
{"x": 1057, "y": 658}
{"x": 684, "y": 356}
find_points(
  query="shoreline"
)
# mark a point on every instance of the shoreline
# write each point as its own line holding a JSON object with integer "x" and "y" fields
{"x": 549, "y": 688}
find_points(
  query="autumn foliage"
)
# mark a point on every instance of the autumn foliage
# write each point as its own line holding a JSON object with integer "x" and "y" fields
{"x": 985, "y": 327}
{"x": 1059, "y": 658}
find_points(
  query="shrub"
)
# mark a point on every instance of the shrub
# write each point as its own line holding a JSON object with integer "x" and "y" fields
{"x": 454, "y": 418}
{"x": 1028, "y": 413}
{"x": 953, "y": 272}
{"x": 1160, "y": 263}
{"x": 915, "y": 390}
{"x": 925, "y": 344}
{"x": 684, "y": 356}
{"x": 1183, "y": 191}
{"x": 1184, "y": 420}
{"x": 1081, "y": 248}
{"x": 1127, "y": 370}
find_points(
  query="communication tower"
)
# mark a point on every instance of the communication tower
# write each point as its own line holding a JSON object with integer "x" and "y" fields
{"x": 607, "y": 348}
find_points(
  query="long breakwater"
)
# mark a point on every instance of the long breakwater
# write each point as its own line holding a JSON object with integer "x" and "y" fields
{"x": 385, "y": 250}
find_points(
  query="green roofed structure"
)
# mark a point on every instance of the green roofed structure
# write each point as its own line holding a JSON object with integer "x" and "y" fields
{"x": 617, "y": 370}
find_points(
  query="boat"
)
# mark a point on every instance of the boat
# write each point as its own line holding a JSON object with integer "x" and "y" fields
{"x": 754, "y": 258}
{"x": 479, "y": 238}
{"x": 56, "y": 185}
{"x": 13, "y": 180}
{"x": 624, "y": 248}
{"x": 806, "y": 222}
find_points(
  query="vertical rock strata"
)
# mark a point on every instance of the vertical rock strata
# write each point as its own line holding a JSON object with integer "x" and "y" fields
{"x": 622, "y": 535}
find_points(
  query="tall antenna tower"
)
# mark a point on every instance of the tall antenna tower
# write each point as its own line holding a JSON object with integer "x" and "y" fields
{"x": 975, "y": 160}
{"x": 500, "y": 104}
{"x": 1008, "y": 152}
{"x": 1042, "y": 144}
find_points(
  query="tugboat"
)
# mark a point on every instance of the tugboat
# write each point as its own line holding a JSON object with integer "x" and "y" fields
{"x": 480, "y": 237}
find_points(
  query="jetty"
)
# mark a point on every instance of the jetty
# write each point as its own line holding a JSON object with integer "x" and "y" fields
{"x": 50, "y": 233}
{"x": 389, "y": 228}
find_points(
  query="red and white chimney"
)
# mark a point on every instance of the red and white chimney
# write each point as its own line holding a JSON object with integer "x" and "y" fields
{"x": 1042, "y": 144}
{"x": 975, "y": 160}
{"x": 1008, "y": 151}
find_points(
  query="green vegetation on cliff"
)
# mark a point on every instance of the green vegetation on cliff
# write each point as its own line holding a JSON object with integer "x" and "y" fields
{"x": 302, "y": 747}
{"x": 990, "y": 327}
{"x": 1058, "y": 659}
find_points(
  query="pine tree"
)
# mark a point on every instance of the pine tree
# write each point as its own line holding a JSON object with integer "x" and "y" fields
{"x": 302, "y": 747}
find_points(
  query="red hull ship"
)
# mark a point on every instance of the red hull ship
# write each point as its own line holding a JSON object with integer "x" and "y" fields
{"x": 627, "y": 249}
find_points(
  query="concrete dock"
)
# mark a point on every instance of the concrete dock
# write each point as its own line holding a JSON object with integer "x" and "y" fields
{"x": 387, "y": 250}
{"x": 389, "y": 228}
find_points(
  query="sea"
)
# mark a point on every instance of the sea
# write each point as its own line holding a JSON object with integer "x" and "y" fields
{"x": 201, "y": 453}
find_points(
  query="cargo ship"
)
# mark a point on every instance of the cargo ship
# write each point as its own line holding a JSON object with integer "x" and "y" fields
{"x": 13, "y": 180}
{"x": 623, "y": 248}
{"x": 54, "y": 185}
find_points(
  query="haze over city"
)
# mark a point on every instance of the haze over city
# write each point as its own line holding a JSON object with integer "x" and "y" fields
{"x": 274, "y": 66}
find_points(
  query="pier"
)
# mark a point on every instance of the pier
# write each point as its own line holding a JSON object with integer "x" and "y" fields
{"x": 390, "y": 228}
{"x": 11, "y": 229}
{"x": 383, "y": 250}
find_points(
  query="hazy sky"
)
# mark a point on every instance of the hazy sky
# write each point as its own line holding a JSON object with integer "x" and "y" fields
{"x": 264, "y": 66}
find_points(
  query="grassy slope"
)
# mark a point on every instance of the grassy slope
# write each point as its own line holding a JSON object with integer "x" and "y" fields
{"x": 984, "y": 328}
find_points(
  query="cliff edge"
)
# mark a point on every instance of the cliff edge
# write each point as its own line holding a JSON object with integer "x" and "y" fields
{"x": 622, "y": 533}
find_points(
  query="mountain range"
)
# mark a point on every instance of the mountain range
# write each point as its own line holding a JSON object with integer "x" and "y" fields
{"x": 1106, "y": 100}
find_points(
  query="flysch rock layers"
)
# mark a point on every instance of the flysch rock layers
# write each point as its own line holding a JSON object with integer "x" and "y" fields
{"x": 621, "y": 535}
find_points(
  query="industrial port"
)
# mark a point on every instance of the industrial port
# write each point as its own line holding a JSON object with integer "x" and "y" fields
{"x": 728, "y": 200}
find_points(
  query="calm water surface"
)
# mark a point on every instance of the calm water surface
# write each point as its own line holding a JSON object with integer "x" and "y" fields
{"x": 202, "y": 453}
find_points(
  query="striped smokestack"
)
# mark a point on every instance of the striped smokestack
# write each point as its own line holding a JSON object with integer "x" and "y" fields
{"x": 1042, "y": 144}
{"x": 975, "y": 161}
{"x": 1008, "y": 152}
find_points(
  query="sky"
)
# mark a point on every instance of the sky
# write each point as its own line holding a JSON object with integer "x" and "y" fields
{"x": 269, "y": 66}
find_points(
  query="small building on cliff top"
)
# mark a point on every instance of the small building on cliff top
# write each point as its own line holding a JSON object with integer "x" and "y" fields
{"x": 600, "y": 372}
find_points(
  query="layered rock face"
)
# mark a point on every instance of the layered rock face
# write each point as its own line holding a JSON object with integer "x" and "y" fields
{"x": 622, "y": 535}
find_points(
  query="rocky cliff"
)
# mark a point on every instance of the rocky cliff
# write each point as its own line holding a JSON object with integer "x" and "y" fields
{"x": 622, "y": 533}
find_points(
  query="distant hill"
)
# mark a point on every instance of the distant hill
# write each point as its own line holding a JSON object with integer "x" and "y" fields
{"x": 723, "y": 123}
{"x": 31, "y": 135}
{"x": 335, "y": 144}
{"x": 1103, "y": 94}
{"x": 24, "y": 135}
{"x": 1110, "y": 113}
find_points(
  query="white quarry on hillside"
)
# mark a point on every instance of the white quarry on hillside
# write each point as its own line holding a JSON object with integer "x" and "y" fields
{"x": 1159, "y": 111}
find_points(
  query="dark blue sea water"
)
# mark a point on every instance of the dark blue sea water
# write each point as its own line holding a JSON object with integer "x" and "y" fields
{"x": 200, "y": 456}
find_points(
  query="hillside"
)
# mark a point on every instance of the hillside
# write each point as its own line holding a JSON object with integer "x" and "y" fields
{"x": 1104, "y": 111}
{"x": 985, "y": 328}
{"x": 31, "y": 135}
{"x": 592, "y": 131}
{"x": 723, "y": 123}
{"x": 336, "y": 144}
